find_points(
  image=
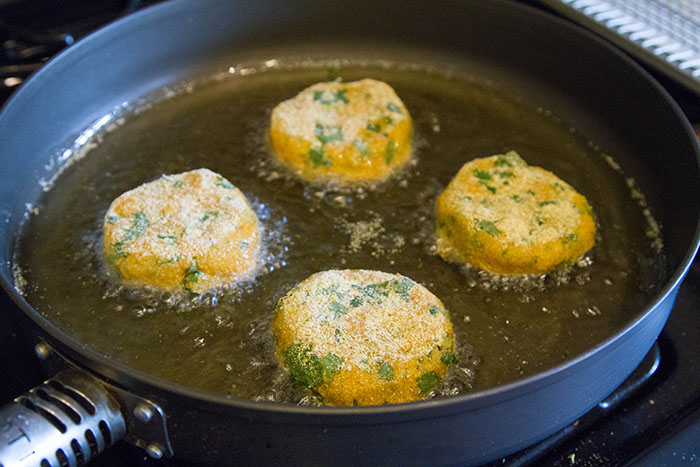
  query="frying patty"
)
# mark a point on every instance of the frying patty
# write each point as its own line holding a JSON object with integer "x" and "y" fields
{"x": 192, "y": 231}
{"x": 343, "y": 132}
{"x": 503, "y": 216}
{"x": 359, "y": 337}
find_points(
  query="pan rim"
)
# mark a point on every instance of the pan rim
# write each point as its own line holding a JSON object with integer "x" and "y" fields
{"x": 464, "y": 401}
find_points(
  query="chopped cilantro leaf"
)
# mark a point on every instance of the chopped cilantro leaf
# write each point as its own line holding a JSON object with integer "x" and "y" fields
{"x": 361, "y": 147}
{"x": 332, "y": 290}
{"x": 510, "y": 159}
{"x": 337, "y": 309}
{"x": 138, "y": 226}
{"x": 394, "y": 108}
{"x": 448, "y": 357}
{"x": 172, "y": 259}
{"x": 355, "y": 302}
{"x": 545, "y": 203}
{"x": 168, "y": 239}
{"x": 335, "y": 96}
{"x": 391, "y": 147}
{"x": 318, "y": 158}
{"x": 305, "y": 367}
{"x": 329, "y": 133}
{"x": 330, "y": 366}
{"x": 375, "y": 127}
{"x": 223, "y": 183}
{"x": 505, "y": 173}
{"x": 388, "y": 120}
{"x": 208, "y": 215}
{"x": 191, "y": 275}
{"x": 517, "y": 198}
{"x": 113, "y": 218}
{"x": 488, "y": 227}
{"x": 482, "y": 174}
{"x": 386, "y": 372}
{"x": 570, "y": 238}
{"x": 434, "y": 310}
{"x": 402, "y": 287}
{"x": 490, "y": 188}
{"x": 427, "y": 381}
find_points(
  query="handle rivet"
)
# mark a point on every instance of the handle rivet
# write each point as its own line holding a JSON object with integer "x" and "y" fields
{"x": 42, "y": 350}
{"x": 143, "y": 413}
{"x": 154, "y": 451}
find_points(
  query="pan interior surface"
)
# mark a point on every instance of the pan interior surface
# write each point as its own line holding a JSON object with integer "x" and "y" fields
{"x": 506, "y": 330}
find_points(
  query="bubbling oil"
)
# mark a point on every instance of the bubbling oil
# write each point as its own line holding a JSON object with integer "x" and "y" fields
{"x": 506, "y": 327}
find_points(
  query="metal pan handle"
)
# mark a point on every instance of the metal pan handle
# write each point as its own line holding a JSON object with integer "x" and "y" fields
{"x": 73, "y": 417}
{"x": 67, "y": 420}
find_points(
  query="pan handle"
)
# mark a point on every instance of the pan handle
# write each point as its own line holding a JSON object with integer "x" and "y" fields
{"x": 67, "y": 420}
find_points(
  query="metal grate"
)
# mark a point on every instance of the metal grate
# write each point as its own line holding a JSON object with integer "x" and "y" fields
{"x": 663, "y": 33}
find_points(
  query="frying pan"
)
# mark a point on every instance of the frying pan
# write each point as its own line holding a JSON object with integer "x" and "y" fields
{"x": 92, "y": 401}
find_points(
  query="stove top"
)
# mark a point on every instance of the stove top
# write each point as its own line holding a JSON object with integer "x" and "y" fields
{"x": 652, "y": 419}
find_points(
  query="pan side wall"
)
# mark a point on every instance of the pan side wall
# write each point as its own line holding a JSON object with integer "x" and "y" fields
{"x": 606, "y": 97}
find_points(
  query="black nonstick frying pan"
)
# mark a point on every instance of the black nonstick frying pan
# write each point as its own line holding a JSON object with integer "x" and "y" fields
{"x": 93, "y": 400}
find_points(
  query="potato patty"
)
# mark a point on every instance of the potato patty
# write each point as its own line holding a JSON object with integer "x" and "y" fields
{"x": 360, "y": 337}
{"x": 503, "y": 216}
{"x": 192, "y": 231}
{"x": 342, "y": 132}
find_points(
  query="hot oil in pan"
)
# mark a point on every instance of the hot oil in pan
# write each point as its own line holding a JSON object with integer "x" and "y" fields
{"x": 222, "y": 343}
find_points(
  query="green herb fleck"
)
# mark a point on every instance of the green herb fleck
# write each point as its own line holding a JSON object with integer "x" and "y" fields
{"x": 361, "y": 147}
{"x": 517, "y": 198}
{"x": 173, "y": 259}
{"x": 336, "y": 96}
{"x": 355, "y": 302}
{"x": 330, "y": 365}
{"x": 305, "y": 367}
{"x": 138, "y": 226}
{"x": 388, "y": 120}
{"x": 243, "y": 245}
{"x": 482, "y": 174}
{"x": 208, "y": 215}
{"x": 490, "y": 188}
{"x": 337, "y": 335}
{"x": 329, "y": 133}
{"x": 402, "y": 287}
{"x": 391, "y": 147}
{"x": 530, "y": 192}
{"x": 191, "y": 275}
{"x": 386, "y": 372}
{"x": 434, "y": 310}
{"x": 332, "y": 290}
{"x": 337, "y": 309}
{"x": 113, "y": 218}
{"x": 318, "y": 158}
{"x": 488, "y": 227}
{"x": 505, "y": 173}
{"x": 510, "y": 159}
{"x": 570, "y": 238}
{"x": 375, "y": 127}
{"x": 427, "y": 382}
{"x": 548, "y": 202}
{"x": 394, "y": 108}
{"x": 448, "y": 357}
{"x": 168, "y": 239}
